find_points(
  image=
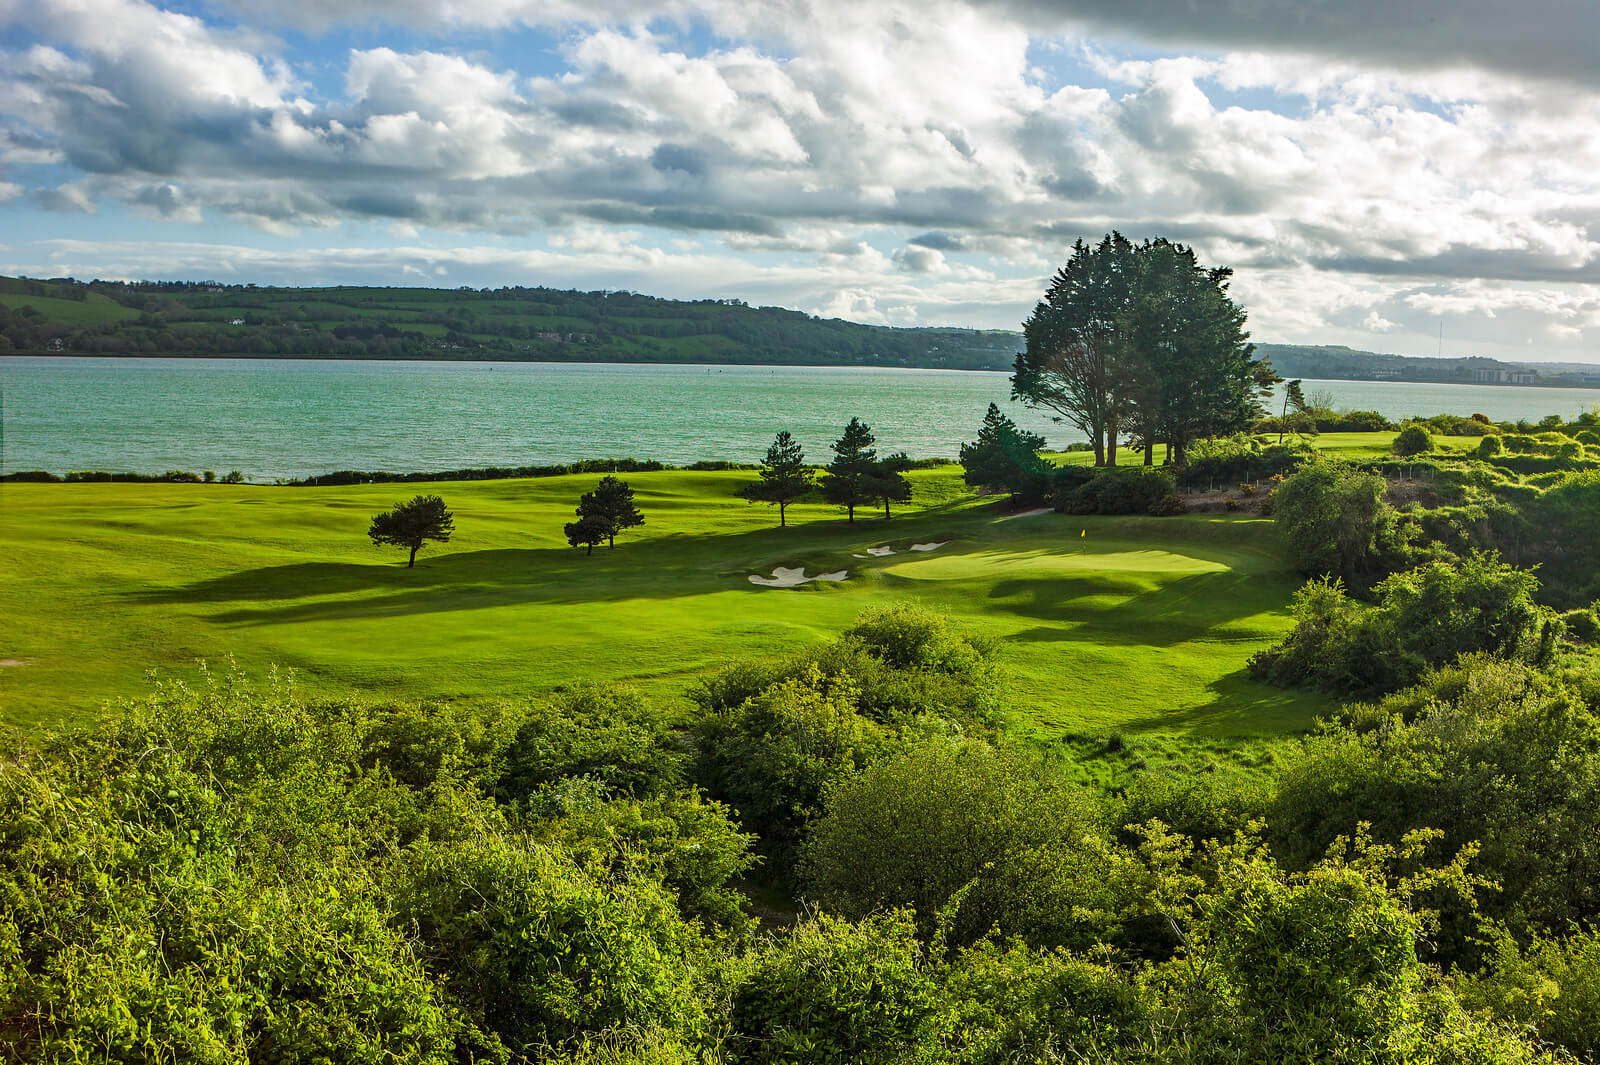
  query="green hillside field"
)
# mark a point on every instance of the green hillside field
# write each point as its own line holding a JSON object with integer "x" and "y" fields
{"x": 1139, "y": 624}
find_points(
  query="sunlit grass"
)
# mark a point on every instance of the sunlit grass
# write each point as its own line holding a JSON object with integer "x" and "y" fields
{"x": 1143, "y": 624}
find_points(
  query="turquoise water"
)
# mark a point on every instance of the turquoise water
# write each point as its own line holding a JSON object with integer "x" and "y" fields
{"x": 288, "y": 418}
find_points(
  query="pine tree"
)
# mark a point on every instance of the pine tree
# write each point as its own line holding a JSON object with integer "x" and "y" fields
{"x": 1006, "y": 457}
{"x": 848, "y": 480}
{"x": 588, "y": 530}
{"x": 888, "y": 481}
{"x": 611, "y": 502}
{"x": 410, "y": 524}
{"x": 785, "y": 477}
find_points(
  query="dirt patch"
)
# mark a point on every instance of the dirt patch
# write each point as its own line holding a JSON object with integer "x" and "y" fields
{"x": 10, "y": 663}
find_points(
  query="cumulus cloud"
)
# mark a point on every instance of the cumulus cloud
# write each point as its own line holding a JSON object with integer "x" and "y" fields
{"x": 902, "y": 162}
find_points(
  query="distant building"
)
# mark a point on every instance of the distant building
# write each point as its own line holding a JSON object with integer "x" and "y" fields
{"x": 1516, "y": 376}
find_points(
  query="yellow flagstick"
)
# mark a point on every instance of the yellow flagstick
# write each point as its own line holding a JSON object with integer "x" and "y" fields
{"x": 1084, "y": 538}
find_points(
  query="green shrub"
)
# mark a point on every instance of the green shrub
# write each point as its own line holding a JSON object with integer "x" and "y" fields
{"x": 1552, "y": 988}
{"x": 612, "y": 734}
{"x": 544, "y": 952}
{"x": 1117, "y": 490}
{"x": 831, "y": 991}
{"x": 914, "y": 829}
{"x": 1424, "y": 617}
{"x": 1489, "y": 447}
{"x": 1412, "y": 440}
{"x": 1496, "y": 755}
{"x": 903, "y": 665}
{"x": 1336, "y": 520}
{"x": 1168, "y": 505}
{"x": 772, "y": 757}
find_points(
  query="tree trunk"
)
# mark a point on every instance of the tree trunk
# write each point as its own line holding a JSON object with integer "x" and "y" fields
{"x": 1099, "y": 449}
{"x": 1149, "y": 450}
{"x": 1111, "y": 444}
{"x": 850, "y": 509}
{"x": 611, "y": 542}
{"x": 412, "y": 561}
{"x": 782, "y": 506}
{"x": 886, "y": 514}
{"x": 590, "y": 551}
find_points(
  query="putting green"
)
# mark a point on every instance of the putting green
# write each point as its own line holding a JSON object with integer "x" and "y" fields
{"x": 1143, "y": 624}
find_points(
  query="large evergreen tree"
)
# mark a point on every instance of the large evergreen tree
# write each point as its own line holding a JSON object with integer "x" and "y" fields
{"x": 849, "y": 480}
{"x": 1140, "y": 337}
{"x": 785, "y": 477}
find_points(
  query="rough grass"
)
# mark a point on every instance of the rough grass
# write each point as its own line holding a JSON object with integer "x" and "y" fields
{"x": 1141, "y": 625}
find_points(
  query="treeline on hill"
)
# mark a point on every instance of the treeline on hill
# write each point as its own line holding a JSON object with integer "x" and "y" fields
{"x": 207, "y": 318}
{"x": 232, "y": 873}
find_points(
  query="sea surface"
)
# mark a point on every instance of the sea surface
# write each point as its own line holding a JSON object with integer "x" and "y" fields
{"x": 281, "y": 418}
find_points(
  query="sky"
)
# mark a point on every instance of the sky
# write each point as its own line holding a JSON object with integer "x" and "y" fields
{"x": 1415, "y": 176}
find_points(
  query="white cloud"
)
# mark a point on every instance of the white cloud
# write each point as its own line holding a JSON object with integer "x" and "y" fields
{"x": 1349, "y": 195}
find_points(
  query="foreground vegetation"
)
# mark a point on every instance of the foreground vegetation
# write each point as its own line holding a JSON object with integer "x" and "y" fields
{"x": 232, "y": 872}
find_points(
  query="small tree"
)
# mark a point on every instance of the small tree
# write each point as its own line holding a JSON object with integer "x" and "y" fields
{"x": 588, "y": 530}
{"x": 785, "y": 477}
{"x": 1006, "y": 457}
{"x": 889, "y": 483}
{"x": 1412, "y": 440}
{"x": 849, "y": 479}
{"x": 412, "y": 524}
{"x": 1297, "y": 406}
{"x": 611, "y": 503}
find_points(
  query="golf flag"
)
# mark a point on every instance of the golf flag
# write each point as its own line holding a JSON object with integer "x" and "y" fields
{"x": 1084, "y": 533}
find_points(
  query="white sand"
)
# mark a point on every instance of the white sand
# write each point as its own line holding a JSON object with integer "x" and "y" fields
{"x": 1035, "y": 512}
{"x": 877, "y": 552}
{"x": 8, "y": 663}
{"x": 791, "y": 576}
{"x": 929, "y": 547}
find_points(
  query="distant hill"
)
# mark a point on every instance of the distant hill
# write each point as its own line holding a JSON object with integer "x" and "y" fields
{"x": 1339, "y": 363}
{"x": 64, "y": 316}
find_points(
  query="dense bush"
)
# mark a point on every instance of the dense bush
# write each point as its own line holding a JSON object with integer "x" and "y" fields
{"x": 772, "y": 757}
{"x": 1230, "y": 460}
{"x": 609, "y": 734}
{"x": 1117, "y": 490}
{"x": 1424, "y": 617}
{"x": 915, "y": 829}
{"x": 1412, "y": 440}
{"x": 897, "y": 665}
{"x": 1495, "y": 755}
{"x": 1489, "y": 447}
{"x": 1336, "y": 521}
{"x": 837, "y": 992}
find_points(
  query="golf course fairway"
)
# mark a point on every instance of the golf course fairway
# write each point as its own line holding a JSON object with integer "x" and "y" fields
{"x": 1105, "y": 623}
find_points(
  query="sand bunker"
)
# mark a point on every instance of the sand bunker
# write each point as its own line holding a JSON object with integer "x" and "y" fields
{"x": 791, "y": 576}
{"x": 929, "y": 547}
{"x": 6, "y": 663}
{"x": 1035, "y": 512}
{"x": 877, "y": 552}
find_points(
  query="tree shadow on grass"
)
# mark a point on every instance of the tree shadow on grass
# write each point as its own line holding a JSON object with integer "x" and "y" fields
{"x": 1240, "y": 705}
{"x": 660, "y": 568}
{"x": 1180, "y": 611}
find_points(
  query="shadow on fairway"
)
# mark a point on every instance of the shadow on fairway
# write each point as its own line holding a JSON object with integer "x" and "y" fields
{"x": 1243, "y": 706}
{"x": 662, "y": 568}
{"x": 1179, "y": 611}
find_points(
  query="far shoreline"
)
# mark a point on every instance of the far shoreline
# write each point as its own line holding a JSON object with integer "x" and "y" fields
{"x": 711, "y": 362}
